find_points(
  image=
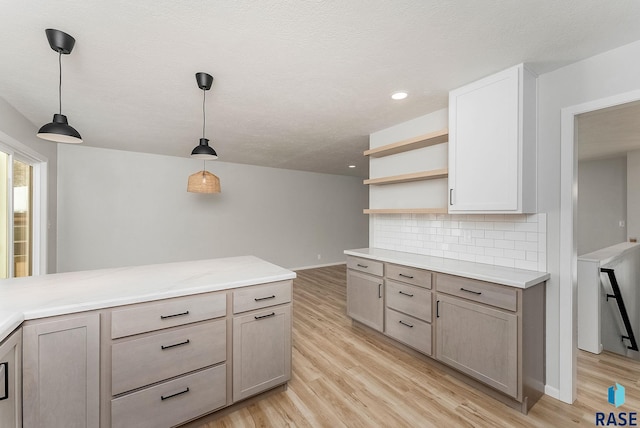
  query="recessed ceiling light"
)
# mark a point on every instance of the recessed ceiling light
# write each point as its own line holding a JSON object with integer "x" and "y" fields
{"x": 352, "y": 166}
{"x": 399, "y": 95}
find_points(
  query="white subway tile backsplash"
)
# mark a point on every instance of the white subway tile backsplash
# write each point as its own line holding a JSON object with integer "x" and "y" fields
{"x": 515, "y": 240}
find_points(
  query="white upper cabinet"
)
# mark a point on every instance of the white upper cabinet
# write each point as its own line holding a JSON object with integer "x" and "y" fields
{"x": 492, "y": 144}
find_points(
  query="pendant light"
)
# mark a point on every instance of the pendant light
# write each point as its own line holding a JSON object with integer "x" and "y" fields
{"x": 59, "y": 129}
{"x": 203, "y": 150}
{"x": 203, "y": 181}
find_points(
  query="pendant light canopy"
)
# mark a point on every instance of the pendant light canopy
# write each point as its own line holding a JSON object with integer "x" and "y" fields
{"x": 203, "y": 150}
{"x": 59, "y": 129}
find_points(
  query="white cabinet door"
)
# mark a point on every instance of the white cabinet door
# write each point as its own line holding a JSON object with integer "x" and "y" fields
{"x": 61, "y": 368}
{"x": 488, "y": 158}
{"x": 10, "y": 381}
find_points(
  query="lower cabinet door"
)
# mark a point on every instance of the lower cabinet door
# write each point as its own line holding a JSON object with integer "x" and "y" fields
{"x": 10, "y": 381}
{"x": 479, "y": 341}
{"x": 61, "y": 372}
{"x": 364, "y": 299}
{"x": 172, "y": 403}
{"x": 261, "y": 351}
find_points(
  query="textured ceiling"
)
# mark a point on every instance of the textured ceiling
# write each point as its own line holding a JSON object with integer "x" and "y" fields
{"x": 299, "y": 83}
{"x": 608, "y": 132}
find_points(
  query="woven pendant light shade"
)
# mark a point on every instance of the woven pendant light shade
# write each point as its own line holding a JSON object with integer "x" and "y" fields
{"x": 203, "y": 182}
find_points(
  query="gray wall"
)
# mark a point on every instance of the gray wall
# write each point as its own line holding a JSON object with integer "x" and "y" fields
{"x": 15, "y": 128}
{"x": 602, "y": 203}
{"x": 633, "y": 195}
{"x": 119, "y": 208}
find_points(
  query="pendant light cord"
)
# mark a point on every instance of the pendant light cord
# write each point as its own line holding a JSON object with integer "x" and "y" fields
{"x": 60, "y": 80}
{"x": 204, "y": 117}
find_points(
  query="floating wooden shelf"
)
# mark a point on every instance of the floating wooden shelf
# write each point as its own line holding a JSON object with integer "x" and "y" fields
{"x": 404, "y": 178}
{"x": 419, "y": 142}
{"x": 406, "y": 211}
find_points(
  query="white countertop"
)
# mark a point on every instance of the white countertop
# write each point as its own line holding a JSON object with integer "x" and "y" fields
{"x": 65, "y": 293}
{"x": 520, "y": 278}
{"x": 608, "y": 254}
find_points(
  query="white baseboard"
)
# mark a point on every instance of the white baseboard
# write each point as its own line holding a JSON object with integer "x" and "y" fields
{"x": 552, "y": 392}
{"x": 317, "y": 266}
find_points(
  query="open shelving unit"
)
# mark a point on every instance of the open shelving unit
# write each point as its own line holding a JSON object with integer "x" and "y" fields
{"x": 405, "y": 178}
{"x": 414, "y": 143}
{"x": 421, "y": 141}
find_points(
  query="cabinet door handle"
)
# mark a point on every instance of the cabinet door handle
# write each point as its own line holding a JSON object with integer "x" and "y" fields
{"x": 272, "y": 314}
{"x": 362, "y": 266}
{"x": 164, "y": 317}
{"x": 186, "y": 342}
{"x": 166, "y": 397}
{"x": 471, "y": 291}
{"x": 405, "y": 276}
{"x": 379, "y": 291}
{"x": 437, "y": 308}
{"x": 406, "y": 294}
{"x": 4, "y": 373}
{"x": 258, "y": 299}
{"x": 406, "y": 324}
{"x": 450, "y": 196}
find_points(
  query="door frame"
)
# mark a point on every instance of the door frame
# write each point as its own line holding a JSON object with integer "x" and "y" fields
{"x": 40, "y": 217}
{"x": 568, "y": 337}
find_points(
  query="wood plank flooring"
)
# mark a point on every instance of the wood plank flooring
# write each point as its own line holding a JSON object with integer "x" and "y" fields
{"x": 345, "y": 377}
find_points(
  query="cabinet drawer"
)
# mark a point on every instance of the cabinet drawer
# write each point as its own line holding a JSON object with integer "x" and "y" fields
{"x": 419, "y": 277}
{"x": 168, "y": 313}
{"x": 173, "y": 402}
{"x": 496, "y": 295}
{"x": 408, "y": 330}
{"x": 261, "y": 296}
{"x": 140, "y": 362}
{"x": 412, "y": 300}
{"x": 365, "y": 265}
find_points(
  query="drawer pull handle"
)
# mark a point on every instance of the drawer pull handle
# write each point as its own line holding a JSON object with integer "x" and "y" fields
{"x": 186, "y": 342}
{"x": 406, "y": 294}
{"x": 404, "y": 323}
{"x": 258, "y": 299}
{"x": 272, "y": 314}
{"x": 379, "y": 291}
{"x": 470, "y": 291}
{"x": 362, "y": 266}
{"x": 437, "y": 308}
{"x": 164, "y": 317}
{"x": 166, "y": 397}
{"x": 405, "y": 276}
{"x": 4, "y": 372}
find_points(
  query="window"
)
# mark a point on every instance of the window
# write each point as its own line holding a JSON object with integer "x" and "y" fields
{"x": 20, "y": 235}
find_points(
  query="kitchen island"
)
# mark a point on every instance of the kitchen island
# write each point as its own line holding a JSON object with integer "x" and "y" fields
{"x": 99, "y": 347}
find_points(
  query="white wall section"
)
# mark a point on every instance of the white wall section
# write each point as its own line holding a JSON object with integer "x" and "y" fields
{"x": 119, "y": 208}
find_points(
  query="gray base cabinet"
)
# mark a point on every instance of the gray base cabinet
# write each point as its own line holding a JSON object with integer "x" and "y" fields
{"x": 261, "y": 338}
{"x": 491, "y": 333}
{"x": 479, "y": 341}
{"x": 365, "y": 299}
{"x": 61, "y": 372}
{"x": 10, "y": 381}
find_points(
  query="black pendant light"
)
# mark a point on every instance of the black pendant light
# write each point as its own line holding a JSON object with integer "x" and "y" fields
{"x": 203, "y": 150}
{"x": 59, "y": 129}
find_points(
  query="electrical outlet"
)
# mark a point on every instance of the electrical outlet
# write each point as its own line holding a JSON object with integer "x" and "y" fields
{"x": 621, "y": 223}
{"x": 319, "y": 256}
{"x": 466, "y": 237}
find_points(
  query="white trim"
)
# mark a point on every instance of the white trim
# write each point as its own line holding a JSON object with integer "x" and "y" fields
{"x": 318, "y": 266}
{"x": 552, "y": 392}
{"x": 567, "y": 389}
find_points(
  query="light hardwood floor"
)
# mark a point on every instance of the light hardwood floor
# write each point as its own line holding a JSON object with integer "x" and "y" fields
{"x": 345, "y": 377}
